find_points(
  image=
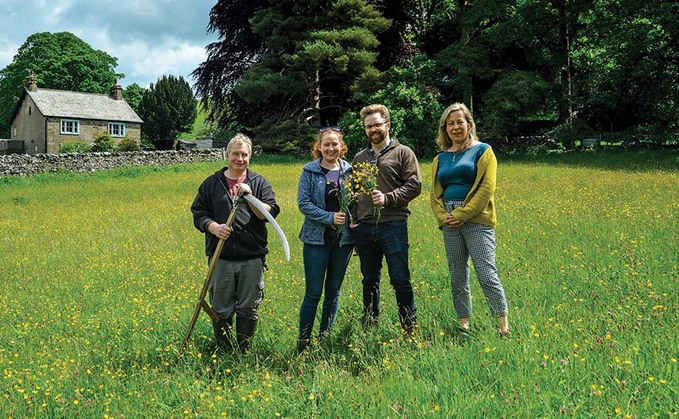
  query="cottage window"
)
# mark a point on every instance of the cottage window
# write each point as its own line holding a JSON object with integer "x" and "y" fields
{"x": 70, "y": 126}
{"x": 116, "y": 129}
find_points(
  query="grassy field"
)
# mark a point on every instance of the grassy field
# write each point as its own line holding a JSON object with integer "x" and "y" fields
{"x": 100, "y": 273}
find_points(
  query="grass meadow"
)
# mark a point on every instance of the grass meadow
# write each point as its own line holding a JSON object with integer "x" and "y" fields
{"x": 100, "y": 273}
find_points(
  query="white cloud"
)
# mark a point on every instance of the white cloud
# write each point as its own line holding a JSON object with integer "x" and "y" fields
{"x": 54, "y": 11}
{"x": 150, "y": 38}
{"x": 7, "y": 51}
{"x": 171, "y": 58}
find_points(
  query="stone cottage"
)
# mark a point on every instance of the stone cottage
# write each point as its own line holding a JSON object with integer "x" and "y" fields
{"x": 45, "y": 118}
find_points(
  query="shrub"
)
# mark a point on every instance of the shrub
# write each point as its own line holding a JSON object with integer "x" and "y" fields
{"x": 146, "y": 144}
{"x": 567, "y": 133}
{"x": 74, "y": 147}
{"x": 103, "y": 142}
{"x": 127, "y": 144}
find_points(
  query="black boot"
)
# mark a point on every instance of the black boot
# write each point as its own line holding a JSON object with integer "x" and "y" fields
{"x": 245, "y": 330}
{"x": 223, "y": 334}
{"x": 408, "y": 318}
{"x": 303, "y": 345}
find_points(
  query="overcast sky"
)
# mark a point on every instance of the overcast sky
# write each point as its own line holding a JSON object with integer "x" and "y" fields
{"x": 150, "y": 38}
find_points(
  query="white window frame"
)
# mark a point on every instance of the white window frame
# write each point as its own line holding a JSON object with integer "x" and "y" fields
{"x": 116, "y": 126}
{"x": 70, "y": 127}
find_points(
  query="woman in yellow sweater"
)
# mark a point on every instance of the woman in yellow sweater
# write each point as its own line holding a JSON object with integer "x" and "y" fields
{"x": 464, "y": 176}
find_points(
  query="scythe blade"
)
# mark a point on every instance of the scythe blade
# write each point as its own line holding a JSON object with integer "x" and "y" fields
{"x": 260, "y": 206}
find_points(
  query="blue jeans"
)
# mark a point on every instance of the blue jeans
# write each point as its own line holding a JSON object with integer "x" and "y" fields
{"x": 323, "y": 265}
{"x": 387, "y": 240}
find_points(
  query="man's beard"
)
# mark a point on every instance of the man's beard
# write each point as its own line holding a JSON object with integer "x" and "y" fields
{"x": 378, "y": 137}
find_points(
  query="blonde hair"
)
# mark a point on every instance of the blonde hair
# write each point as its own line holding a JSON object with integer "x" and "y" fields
{"x": 316, "y": 148}
{"x": 442, "y": 139}
{"x": 239, "y": 139}
{"x": 375, "y": 108}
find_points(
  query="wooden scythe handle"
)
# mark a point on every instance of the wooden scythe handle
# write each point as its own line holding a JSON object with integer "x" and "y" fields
{"x": 202, "y": 304}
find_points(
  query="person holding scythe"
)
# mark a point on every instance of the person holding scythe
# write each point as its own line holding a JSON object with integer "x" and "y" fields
{"x": 237, "y": 285}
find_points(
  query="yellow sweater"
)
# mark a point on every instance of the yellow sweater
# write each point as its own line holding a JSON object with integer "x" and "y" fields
{"x": 478, "y": 205}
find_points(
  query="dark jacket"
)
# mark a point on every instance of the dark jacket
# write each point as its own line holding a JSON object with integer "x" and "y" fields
{"x": 398, "y": 178}
{"x": 213, "y": 202}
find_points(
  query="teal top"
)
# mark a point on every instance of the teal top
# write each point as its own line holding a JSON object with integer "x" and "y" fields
{"x": 457, "y": 171}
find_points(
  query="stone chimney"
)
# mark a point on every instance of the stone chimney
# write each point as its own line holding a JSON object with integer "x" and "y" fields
{"x": 116, "y": 91}
{"x": 31, "y": 84}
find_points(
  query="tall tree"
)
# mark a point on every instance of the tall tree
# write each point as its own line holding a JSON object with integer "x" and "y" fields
{"x": 236, "y": 51}
{"x": 167, "y": 108}
{"x": 556, "y": 27}
{"x": 133, "y": 94}
{"x": 314, "y": 55}
{"x": 462, "y": 46}
{"x": 60, "y": 61}
{"x": 413, "y": 106}
{"x": 397, "y": 45}
{"x": 630, "y": 65}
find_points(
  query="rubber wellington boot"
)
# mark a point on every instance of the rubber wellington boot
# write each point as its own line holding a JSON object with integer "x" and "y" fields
{"x": 223, "y": 334}
{"x": 245, "y": 330}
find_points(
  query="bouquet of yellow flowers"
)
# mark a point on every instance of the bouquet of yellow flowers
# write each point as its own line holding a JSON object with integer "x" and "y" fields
{"x": 363, "y": 180}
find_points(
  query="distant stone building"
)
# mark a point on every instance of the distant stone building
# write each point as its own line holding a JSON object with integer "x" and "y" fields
{"x": 45, "y": 118}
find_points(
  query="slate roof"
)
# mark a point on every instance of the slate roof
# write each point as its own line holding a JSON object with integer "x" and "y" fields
{"x": 79, "y": 105}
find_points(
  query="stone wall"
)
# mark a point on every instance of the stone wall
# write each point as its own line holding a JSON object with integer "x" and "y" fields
{"x": 24, "y": 164}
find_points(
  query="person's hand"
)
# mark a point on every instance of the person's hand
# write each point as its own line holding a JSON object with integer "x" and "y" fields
{"x": 452, "y": 223}
{"x": 339, "y": 218}
{"x": 243, "y": 188}
{"x": 377, "y": 197}
{"x": 222, "y": 231}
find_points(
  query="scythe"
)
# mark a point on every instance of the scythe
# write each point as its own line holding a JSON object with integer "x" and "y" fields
{"x": 202, "y": 304}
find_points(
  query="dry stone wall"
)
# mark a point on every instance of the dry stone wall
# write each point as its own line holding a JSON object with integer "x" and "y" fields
{"x": 24, "y": 164}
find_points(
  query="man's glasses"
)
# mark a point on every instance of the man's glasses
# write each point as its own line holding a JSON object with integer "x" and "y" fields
{"x": 332, "y": 128}
{"x": 378, "y": 125}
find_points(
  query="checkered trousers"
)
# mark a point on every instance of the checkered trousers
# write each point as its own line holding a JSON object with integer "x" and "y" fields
{"x": 478, "y": 242}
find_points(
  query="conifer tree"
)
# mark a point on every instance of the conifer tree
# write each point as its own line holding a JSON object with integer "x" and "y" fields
{"x": 314, "y": 54}
{"x": 167, "y": 108}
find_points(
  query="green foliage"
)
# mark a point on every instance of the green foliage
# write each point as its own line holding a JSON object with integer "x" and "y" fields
{"x": 168, "y": 108}
{"x": 514, "y": 95}
{"x": 133, "y": 95}
{"x": 214, "y": 130}
{"x": 60, "y": 61}
{"x": 568, "y": 134}
{"x": 315, "y": 55}
{"x": 146, "y": 144}
{"x": 413, "y": 105}
{"x": 610, "y": 64}
{"x": 103, "y": 142}
{"x": 199, "y": 125}
{"x": 127, "y": 144}
{"x": 629, "y": 66}
{"x": 219, "y": 123}
{"x": 287, "y": 136}
{"x": 74, "y": 147}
